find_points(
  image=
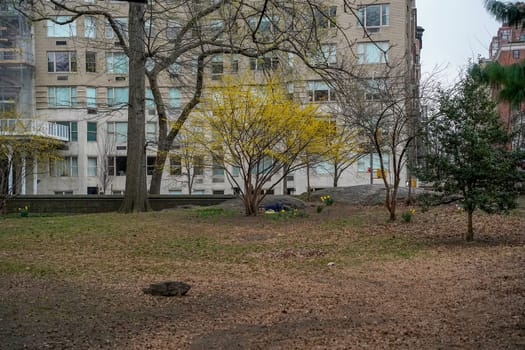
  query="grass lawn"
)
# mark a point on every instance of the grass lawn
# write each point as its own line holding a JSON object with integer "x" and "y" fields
{"x": 343, "y": 278}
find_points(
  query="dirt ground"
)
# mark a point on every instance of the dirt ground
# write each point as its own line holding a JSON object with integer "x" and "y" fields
{"x": 436, "y": 293}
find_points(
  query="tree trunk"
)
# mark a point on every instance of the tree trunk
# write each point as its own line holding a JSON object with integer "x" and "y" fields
{"x": 136, "y": 195}
{"x": 470, "y": 230}
{"x": 308, "y": 189}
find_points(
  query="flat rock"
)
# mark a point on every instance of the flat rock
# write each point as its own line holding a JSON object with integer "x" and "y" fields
{"x": 168, "y": 288}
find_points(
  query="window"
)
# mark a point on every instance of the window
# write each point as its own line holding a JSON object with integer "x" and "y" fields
{"x": 217, "y": 166}
{"x": 172, "y": 29}
{"x": 90, "y": 27}
{"x": 375, "y": 52}
{"x": 198, "y": 166}
{"x": 91, "y": 97}
{"x": 265, "y": 62}
{"x": 174, "y": 69}
{"x": 117, "y": 166}
{"x": 150, "y": 165}
{"x": 91, "y": 62}
{"x": 290, "y": 88}
{"x": 234, "y": 64}
{"x": 62, "y": 96}
{"x": 61, "y": 61}
{"x": 363, "y": 164}
{"x": 116, "y": 62}
{"x": 117, "y": 132}
{"x": 174, "y": 98}
{"x": 92, "y": 166}
{"x": 150, "y": 102}
{"x": 326, "y": 18}
{"x": 64, "y": 167}
{"x": 505, "y": 34}
{"x": 151, "y": 132}
{"x": 122, "y": 24}
{"x": 175, "y": 192}
{"x": 373, "y": 15}
{"x": 73, "y": 130}
{"x": 175, "y": 165}
{"x": 326, "y": 56}
{"x": 56, "y": 30}
{"x": 217, "y": 67}
{"x": 516, "y": 54}
{"x": 375, "y": 88}
{"x": 320, "y": 91}
{"x": 117, "y": 96}
{"x": 236, "y": 171}
{"x": 92, "y": 131}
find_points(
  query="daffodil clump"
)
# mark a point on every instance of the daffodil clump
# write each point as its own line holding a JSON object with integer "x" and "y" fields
{"x": 24, "y": 212}
{"x": 327, "y": 200}
{"x": 407, "y": 215}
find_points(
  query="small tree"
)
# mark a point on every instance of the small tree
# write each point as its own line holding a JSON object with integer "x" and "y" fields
{"x": 259, "y": 134}
{"x": 472, "y": 157}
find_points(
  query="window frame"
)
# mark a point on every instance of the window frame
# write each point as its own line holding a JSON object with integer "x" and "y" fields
{"x": 65, "y": 167}
{"x": 53, "y": 58}
{"x": 362, "y": 15}
{"x": 366, "y": 51}
{"x": 56, "y": 30}
{"x": 117, "y": 62}
{"x": 52, "y": 96}
{"x": 91, "y": 131}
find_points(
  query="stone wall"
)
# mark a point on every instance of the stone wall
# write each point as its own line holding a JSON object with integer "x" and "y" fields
{"x": 78, "y": 204}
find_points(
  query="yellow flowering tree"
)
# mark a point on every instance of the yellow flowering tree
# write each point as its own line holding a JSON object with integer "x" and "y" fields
{"x": 258, "y": 133}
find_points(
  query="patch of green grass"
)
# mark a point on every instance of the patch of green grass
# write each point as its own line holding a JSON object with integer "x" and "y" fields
{"x": 213, "y": 212}
{"x": 350, "y": 221}
{"x": 381, "y": 248}
{"x": 12, "y": 267}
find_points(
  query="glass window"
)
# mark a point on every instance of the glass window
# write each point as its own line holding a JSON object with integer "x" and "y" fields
{"x": 217, "y": 167}
{"x": 266, "y": 62}
{"x": 56, "y": 30}
{"x": 91, "y": 97}
{"x": 117, "y": 132}
{"x": 374, "y": 15}
{"x": 122, "y": 24}
{"x": 116, "y": 62}
{"x": 91, "y": 62}
{"x": 62, "y": 96}
{"x": 174, "y": 98}
{"x": 151, "y": 131}
{"x": 61, "y": 61}
{"x": 117, "y": 96}
{"x": 320, "y": 91}
{"x": 68, "y": 166}
{"x": 90, "y": 27}
{"x": 376, "y": 52}
{"x": 363, "y": 164}
{"x": 217, "y": 67}
{"x": 175, "y": 165}
{"x": 73, "y": 130}
{"x": 92, "y": 131}
{"x": 172, "y": 29}
{"x": 198, "y": 166}
{"x": 92, "y": 166}
{"x": 150, "y": 165}
{"x": 326, "y": 17}
{"x": 516, "y": 54}
{"x": 117, "y": 166}
{"x": 150, "y": 102}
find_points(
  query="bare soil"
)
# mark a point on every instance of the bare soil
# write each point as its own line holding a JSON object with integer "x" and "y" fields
{"x": 341, "y": 279}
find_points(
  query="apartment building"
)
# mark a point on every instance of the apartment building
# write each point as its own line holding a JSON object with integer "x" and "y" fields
{"x": 507, "y": 48}
{"x": 79, "y": 80}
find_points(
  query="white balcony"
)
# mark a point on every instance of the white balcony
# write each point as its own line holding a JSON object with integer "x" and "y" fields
{"x": 33, "y": 127}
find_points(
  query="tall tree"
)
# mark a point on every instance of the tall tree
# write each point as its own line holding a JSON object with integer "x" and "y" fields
{"x": 136, "y": 194}
{"x": 471, "y": 156}
{"x": 507, "y": 12}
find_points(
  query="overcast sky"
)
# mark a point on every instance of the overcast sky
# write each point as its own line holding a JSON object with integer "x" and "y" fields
{"x": 455, "y": 30}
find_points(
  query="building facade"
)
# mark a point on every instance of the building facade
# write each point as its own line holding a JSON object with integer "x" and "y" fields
{"x": 507, "y": 48}
{"x": 78, "y": 74}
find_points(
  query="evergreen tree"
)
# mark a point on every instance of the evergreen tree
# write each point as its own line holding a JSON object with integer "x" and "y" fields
{"x": 472, "y": 156}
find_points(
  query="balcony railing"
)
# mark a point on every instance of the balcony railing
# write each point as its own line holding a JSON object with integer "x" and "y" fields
{"x": 33, "y": 127}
